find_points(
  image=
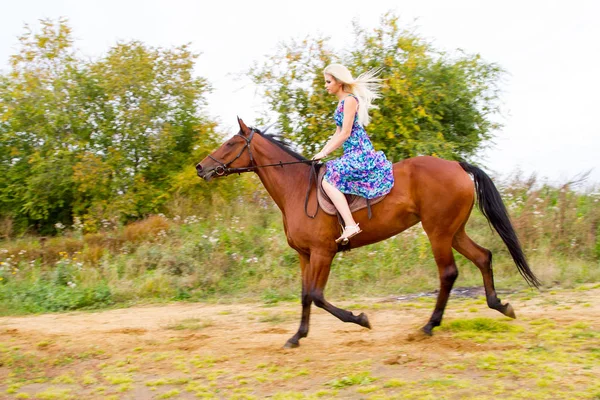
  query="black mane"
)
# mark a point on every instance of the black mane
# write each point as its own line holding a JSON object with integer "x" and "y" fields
{"x": 279, "y": 141}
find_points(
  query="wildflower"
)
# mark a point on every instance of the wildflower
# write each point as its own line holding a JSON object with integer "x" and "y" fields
{"x": 192, "y": 219}
{"x": 59, "y": 226}
{"x": 71, "y": 284}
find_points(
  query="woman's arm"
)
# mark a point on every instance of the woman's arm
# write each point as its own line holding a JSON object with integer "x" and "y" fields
{"x": 340, "y": 135}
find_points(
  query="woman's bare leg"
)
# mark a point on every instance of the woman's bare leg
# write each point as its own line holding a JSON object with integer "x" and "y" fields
{"x": 339, "y": 201}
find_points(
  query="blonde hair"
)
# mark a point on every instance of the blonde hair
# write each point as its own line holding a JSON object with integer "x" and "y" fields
{"x": 365, "y": 88}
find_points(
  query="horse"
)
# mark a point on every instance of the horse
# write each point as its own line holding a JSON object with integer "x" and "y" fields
{"x": 436, "y": 192}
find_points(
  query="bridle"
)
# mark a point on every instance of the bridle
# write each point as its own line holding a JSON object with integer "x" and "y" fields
{"x": 223, "y": 168}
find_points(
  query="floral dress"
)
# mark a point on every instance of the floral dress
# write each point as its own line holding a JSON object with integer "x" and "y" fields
{"x": 361, "y": 170}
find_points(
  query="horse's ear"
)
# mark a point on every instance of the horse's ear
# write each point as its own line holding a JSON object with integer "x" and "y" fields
{"x": 243, "y": 128}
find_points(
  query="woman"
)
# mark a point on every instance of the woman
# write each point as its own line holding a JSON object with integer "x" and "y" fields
{"x": 361, "y": 170}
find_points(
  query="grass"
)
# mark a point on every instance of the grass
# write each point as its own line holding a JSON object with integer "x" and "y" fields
{"x": 237, "y": 251}
{"x": 190, "y": 324}
{"x": 363, "y": 378}
{"x": 480, "y": 325}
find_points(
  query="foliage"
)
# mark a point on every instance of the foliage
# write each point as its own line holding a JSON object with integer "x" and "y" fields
{"x": 431, "y": 103}
{"x": 241, "y": 251}
{"x": 95, "y": 140}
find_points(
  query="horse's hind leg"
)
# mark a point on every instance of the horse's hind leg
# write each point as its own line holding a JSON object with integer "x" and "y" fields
{"x": 483, "y": 259}
{"x": 448, "y": 272}
{"x": 317, "y": 276}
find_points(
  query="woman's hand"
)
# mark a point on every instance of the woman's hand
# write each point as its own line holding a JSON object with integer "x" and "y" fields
{"x": 319, "y": 155}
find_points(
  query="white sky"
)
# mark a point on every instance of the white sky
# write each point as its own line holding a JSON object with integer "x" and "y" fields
{"x": 551, "y": 50}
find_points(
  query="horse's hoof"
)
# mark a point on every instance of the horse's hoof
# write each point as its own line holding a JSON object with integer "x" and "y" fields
{"x": 363, "y": 320}
{"x": 509, "y": 312}
{"x": 419, "y": 335}
{"x": 291, "y": 345}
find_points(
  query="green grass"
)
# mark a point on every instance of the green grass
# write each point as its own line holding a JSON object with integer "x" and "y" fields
{"x": 480, "y": 325}
{"x": 363, "y": 378}
{"x": 192, "y": 324}
{"x": 238, "y": 252}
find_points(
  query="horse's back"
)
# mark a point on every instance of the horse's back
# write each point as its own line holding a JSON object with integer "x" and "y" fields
{"x": 434, "y": 185}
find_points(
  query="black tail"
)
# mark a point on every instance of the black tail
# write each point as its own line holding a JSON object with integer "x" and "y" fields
{"x": 491, "y": 205}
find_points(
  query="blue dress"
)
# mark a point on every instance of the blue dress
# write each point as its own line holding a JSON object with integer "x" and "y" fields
{"x": 361, "y": 170}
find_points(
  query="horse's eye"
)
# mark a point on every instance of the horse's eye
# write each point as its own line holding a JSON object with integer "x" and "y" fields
{"x": 229, "y": 144}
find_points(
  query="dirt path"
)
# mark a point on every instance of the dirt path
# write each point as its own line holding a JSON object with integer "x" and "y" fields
{"x": 235, "y": 351}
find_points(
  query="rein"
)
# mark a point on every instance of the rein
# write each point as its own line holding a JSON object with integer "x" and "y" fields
{"x": 229, "y": 171}
{"x": 223, "y": 168}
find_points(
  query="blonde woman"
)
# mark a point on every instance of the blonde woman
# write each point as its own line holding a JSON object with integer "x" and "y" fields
{"x": 360, "y": 170}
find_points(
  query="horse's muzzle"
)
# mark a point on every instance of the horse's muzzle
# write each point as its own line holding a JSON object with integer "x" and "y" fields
{"x": 199, "y": 170}
{"x": 206, "y": 174}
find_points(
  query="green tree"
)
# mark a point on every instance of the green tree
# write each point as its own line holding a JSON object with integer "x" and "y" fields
{"x": 39, "y": 129}
{"x": 431, "y": 103}
{"x": 147, "y": 122}
{"x": 99, "y": 140}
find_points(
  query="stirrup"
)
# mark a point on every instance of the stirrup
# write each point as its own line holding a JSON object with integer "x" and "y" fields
{"x": 346, "y": 239}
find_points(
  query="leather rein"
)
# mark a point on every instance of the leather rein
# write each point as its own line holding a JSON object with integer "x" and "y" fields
{"x": 223, "y": 168}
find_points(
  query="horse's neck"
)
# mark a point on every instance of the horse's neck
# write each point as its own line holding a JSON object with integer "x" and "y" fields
{"x": 286, "y": 184}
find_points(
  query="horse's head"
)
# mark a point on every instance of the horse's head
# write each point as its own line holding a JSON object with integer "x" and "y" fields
{"x": 234, "y": 153}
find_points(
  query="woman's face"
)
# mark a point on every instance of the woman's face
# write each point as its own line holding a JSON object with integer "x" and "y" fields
{"x": 332, "y": 85}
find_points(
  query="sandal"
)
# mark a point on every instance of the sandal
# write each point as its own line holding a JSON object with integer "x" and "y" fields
{"x": 344, "y": 239}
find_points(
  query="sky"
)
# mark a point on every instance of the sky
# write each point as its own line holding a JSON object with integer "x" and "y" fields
{"x": 550, "y": 50}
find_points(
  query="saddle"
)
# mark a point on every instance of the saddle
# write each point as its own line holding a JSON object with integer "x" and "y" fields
{"x": 355, "y": 202}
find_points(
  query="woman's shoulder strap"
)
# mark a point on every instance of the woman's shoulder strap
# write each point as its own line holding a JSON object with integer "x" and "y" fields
{"x": 351, "y": 95}
{"x": 355, "y": 98}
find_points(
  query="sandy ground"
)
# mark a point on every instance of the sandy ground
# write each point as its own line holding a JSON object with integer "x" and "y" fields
{"x": 230, "y": 350}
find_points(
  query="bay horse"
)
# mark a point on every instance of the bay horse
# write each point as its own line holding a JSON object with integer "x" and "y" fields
{"x": 438, "y": 193}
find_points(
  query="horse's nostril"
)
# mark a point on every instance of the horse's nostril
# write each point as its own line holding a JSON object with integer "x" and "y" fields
{"x": 198, "y": 167}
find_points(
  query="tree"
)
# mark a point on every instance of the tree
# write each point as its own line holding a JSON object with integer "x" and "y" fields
{"x": 147, "y": 120}
{"x": 431, "y": 103}
{"x": 39, "y": 127}
{"x": 98, "y": 140}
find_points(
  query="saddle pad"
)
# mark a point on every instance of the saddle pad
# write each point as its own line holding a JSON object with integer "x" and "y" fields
{"x": 355, "y": 202}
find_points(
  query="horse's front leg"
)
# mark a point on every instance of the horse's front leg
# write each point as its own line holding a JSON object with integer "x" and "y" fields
{"x": 317, "y": 276}
{"x": 294, "y": 341}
